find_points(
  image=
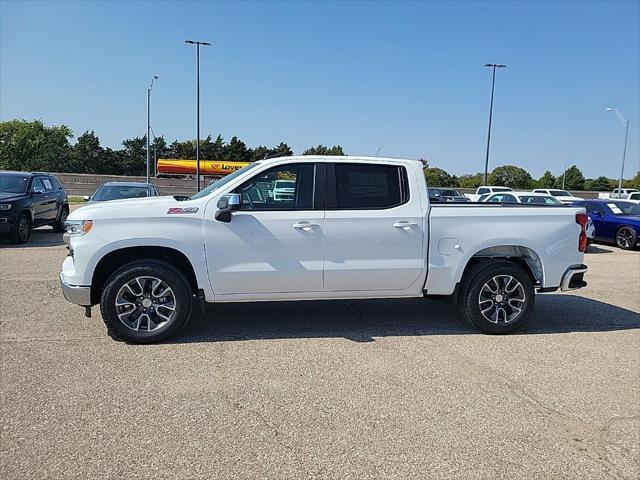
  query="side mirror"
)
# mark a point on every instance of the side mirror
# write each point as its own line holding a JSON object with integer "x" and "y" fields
{"x": 227, "y": 204}
{"x": 37, "y": 190}
{"x": 86, "y": 198}
{"x": 595, "y": 213}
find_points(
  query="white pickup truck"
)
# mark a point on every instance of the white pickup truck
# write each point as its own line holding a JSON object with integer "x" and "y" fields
{"x": 353, "y": 227}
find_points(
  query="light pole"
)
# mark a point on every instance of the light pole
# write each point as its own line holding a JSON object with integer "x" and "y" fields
{"x": 155, "y": 77}
{"x": 197, "y": 43}
{"x": 624, "y": 122}
{"x": 493, "y": 85}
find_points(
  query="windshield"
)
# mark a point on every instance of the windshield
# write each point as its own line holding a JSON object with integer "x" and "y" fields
{"x": 117, "y": 192}
{"x": 482, "y": 198}
{"x": 560, "y": 193}
{"x": 223, "y": 181}
{"x": 624, "y": 208}
{"x": 450, "y": 193}
{"x": 502, "y": 189}
{"x": 13, "y": 183}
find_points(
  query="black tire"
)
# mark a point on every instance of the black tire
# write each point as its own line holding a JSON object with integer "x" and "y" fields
{"x": 22, "y": 232}
{"x": 158, "y": 269}
{"x": 626, "y": 238}
{"x": 479, "y": 279}
{"x": 58, "y": 226}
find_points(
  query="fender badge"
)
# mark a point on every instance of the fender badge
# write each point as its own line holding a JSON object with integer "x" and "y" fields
{"x": 179, "y": 211}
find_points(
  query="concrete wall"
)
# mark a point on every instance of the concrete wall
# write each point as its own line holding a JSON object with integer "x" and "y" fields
{"x": 87, "y": 184}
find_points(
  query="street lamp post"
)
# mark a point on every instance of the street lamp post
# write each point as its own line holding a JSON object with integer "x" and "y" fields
{"x": 155, "y": 77}
{"x": 197, "y": 44}
{"x": 625, "y": 123}
{"x": 493, "y": 85}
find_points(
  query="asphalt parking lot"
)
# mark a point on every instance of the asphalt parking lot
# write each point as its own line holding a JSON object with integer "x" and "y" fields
{"x": 336, "y": 390}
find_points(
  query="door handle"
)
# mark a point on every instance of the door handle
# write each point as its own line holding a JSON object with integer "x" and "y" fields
{"x": 405, "y": 225}
{"x": 306, "y": 226}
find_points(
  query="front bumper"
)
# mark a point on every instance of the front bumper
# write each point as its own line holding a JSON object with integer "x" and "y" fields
{"x": 573, "y": 278}
{"x": 75, "y": 293}
{"x": 7, "y": 224}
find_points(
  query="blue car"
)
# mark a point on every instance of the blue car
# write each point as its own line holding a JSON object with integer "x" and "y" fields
{"x": 616, "y": 221}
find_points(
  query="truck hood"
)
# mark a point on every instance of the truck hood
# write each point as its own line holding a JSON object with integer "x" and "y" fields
{"x": 151, "y": 206}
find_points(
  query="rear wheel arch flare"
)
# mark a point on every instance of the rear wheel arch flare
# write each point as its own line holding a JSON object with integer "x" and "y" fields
{"x": 518, "y": 254}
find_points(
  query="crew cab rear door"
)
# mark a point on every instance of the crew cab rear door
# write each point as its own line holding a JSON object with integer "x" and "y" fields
{"x": 373, "y": 228}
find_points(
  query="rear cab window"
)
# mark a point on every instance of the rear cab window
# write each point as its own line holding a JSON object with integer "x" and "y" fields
{"x": 363, "y": 186}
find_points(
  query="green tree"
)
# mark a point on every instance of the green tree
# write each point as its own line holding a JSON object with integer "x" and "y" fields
{"x": 634, "y": 182}
{"x": 34, "y": 146}
{"x": 86, "y": 155}
{"x": 470, "y": 181}
{"x": 132, "y": 159}
{"x": 600, "y": 184}
{"x": 511, "y": 176}
{"x": 324, "y": 150}
{"x": 547, "y": 180}
{"x": 437, "y": 177}
{"x": 573, "y": 179}
{"x": 236, "y": 151}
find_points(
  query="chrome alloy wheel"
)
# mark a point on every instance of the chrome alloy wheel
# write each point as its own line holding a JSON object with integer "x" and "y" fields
{"x": 501, "y": 299}
{"x": 145, "y": 304}
{"x": 624, "y": 238}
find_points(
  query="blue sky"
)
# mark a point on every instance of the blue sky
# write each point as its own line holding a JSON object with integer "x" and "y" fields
{"x": 408, "y": 76}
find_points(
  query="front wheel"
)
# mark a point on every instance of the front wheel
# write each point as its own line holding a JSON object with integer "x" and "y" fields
{"x": 497, "y": 296}
{"x": 626, "y": 238}
{"x": 22, "y": 231}
{"x": 145, "y": 301}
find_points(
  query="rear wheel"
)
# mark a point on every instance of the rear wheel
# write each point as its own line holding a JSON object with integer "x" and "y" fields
{"x": 58, "y": 226}
{"x": 497, "y": 296}
{"x": 145, "y": 301}
{"x": 626, "y": 238}
{"x": 22, "y": 231}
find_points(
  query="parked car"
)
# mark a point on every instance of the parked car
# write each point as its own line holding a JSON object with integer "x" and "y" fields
{"x": 634, "y": 197}
{"x": 446, "y": 195}
{"x": 623, "y": 193}
{"x": 519, "y": 197}
{"x": 615, "y": 221}
{"x": 565, "y": 197}
{"x": 355, "y": 227}
{"x": 486, "y": 189}
{"x": 283, "y": 190}
{"x": 591, "y": 231}
{"x": 30, "y": 200}
{"x": 121, "y": 190}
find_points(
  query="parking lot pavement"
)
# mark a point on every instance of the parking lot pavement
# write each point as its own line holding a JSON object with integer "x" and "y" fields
{"x": 339, "y": 389}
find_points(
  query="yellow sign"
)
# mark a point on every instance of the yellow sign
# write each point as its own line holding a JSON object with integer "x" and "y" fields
{"x": 207, "y": 167}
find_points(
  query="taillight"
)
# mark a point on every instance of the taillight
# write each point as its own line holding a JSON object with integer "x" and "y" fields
{"x": 582, "y": 219}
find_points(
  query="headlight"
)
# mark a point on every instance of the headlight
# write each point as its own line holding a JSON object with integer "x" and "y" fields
{"x": 78, "y": 227}
{"x": 5, "y": 206}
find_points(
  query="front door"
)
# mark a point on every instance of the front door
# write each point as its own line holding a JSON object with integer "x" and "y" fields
{"x": 374, "y": 229}
{"x": 274, "y": 243}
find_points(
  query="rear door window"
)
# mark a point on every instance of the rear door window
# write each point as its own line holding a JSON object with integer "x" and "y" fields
{"x": 48, "y": 184}
{"x": 361, "y": 186}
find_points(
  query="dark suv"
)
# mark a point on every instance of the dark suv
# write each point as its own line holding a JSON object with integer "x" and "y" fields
{"x": 29, "y": 200}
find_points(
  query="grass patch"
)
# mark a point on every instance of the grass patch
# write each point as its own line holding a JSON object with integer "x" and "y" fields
{"x": 76, "y": 199}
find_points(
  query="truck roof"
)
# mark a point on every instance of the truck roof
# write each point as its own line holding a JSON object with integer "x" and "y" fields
{"x": 337, "y": 158}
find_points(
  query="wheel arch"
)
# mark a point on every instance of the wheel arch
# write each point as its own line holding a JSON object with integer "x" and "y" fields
{"x": 117, "y": 258}
{"x": 521, "y": 255}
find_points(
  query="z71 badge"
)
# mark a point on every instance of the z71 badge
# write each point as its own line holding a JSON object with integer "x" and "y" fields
{"x": 178, "y": 211}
